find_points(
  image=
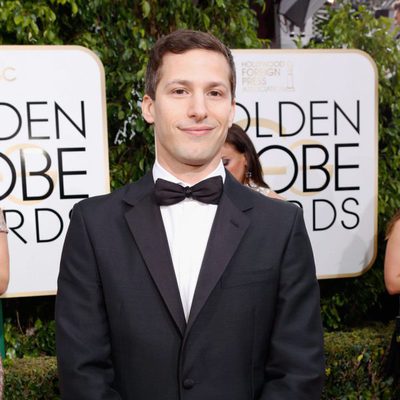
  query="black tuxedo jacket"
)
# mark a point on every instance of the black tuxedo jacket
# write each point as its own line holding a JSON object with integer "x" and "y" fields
{"x": 254, "y": 330}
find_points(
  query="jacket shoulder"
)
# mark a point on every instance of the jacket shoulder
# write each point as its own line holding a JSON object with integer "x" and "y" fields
{"x": 128, "y": 193}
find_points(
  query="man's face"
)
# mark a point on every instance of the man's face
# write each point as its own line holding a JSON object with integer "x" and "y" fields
{"x": 192, "y": 111}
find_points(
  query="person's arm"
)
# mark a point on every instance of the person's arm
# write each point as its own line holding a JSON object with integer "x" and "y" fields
{"x": 82, "y": 335}
{"x": 4, "y": 256}
{"x": 392, "y": 260}
{"x": 295, "y": 365}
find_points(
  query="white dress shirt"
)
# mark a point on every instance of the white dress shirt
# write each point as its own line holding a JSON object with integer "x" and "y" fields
{"x": 188, "y": 225}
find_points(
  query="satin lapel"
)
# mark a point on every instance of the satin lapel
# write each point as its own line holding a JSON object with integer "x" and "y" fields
{"x": 145, "y": 222}
{"x": 229, "y": 226}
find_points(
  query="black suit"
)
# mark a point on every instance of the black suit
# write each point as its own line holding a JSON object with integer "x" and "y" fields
{"x": 254, "y": 330}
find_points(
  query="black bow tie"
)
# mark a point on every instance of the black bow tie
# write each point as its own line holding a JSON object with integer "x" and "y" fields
{"x": 208, "y": 191}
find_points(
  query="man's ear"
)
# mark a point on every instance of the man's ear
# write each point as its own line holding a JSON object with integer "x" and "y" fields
{"x": 147, "y": 109}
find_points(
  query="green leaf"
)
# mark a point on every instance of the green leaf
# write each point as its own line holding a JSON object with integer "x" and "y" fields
{"x": 146, "y": 9}
{"x": 18, "y": 19}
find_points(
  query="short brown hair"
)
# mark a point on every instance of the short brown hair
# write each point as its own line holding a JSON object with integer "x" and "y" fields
{"x": 179, "y": 42}
{"x": 396, "y": 6}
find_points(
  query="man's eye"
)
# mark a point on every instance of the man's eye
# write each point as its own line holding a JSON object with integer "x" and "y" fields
{"x": 215, "y": 93}
{"x": 225, "y": 161}
{"x": 179, "y": 91}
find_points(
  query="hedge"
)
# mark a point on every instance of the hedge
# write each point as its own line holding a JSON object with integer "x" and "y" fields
{"x": 353, "y": 369}
{"x": 33, "y": 378}
{"x": 354, "y": 365}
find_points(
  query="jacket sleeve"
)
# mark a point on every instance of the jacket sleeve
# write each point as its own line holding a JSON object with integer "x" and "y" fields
{"x": 295, "y": 365}
{"x": 82, "y": 333}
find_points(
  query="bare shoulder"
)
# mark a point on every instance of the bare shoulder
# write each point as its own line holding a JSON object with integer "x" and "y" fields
{"x": 274, "y": 195}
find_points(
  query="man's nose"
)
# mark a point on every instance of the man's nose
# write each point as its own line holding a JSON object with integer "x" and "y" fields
{"x": 198, "y": 107}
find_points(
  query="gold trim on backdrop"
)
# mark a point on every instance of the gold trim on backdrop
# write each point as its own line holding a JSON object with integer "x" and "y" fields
{"x": 29, "y": 294}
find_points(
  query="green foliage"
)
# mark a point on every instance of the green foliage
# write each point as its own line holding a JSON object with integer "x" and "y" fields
{"x": 31, "y": 378}
{"x": 38, "y": 340}
{"x": 351, "y": 300}
{"x": 121, "y": 33}
{"x": 32, "y": 22}
{"x": 354, "y": 365}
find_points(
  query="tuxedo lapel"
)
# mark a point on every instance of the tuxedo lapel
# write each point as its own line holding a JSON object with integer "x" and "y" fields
{"x": 145, "y": 223}
{"x": 229, "y": 226}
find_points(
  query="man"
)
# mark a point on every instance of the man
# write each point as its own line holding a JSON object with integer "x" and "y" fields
{"x": 161, "y": 299}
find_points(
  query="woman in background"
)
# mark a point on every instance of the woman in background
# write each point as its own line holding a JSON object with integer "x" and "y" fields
{"x": 4, "y": 256}
{"x": 392, "y": 255}
{"x": 241, "y": 160}
{"x": 4, "y": 275}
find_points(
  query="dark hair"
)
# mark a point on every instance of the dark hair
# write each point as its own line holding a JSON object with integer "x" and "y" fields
{"x": 239, "y": 139}
{"x": 391, "y": 223}
{"x": 179, "y": 42}
{"x": 396, "y": 6}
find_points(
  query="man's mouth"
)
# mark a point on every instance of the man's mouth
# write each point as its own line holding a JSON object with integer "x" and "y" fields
{"x": 197, "y": 130}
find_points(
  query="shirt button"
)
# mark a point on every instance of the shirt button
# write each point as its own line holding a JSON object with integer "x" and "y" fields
{"x": 188, "y": 383}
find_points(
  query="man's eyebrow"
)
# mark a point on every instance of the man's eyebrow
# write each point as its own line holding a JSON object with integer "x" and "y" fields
{"x": 185, "y": 82}
{"x": 218, "y": 83}
{"x": 178, "y": 82}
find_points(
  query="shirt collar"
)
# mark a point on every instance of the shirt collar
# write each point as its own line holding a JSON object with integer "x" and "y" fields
{"x": 160, "y": 172}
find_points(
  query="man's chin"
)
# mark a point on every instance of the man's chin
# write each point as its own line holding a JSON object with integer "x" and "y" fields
{"x": 196, "y": 163}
